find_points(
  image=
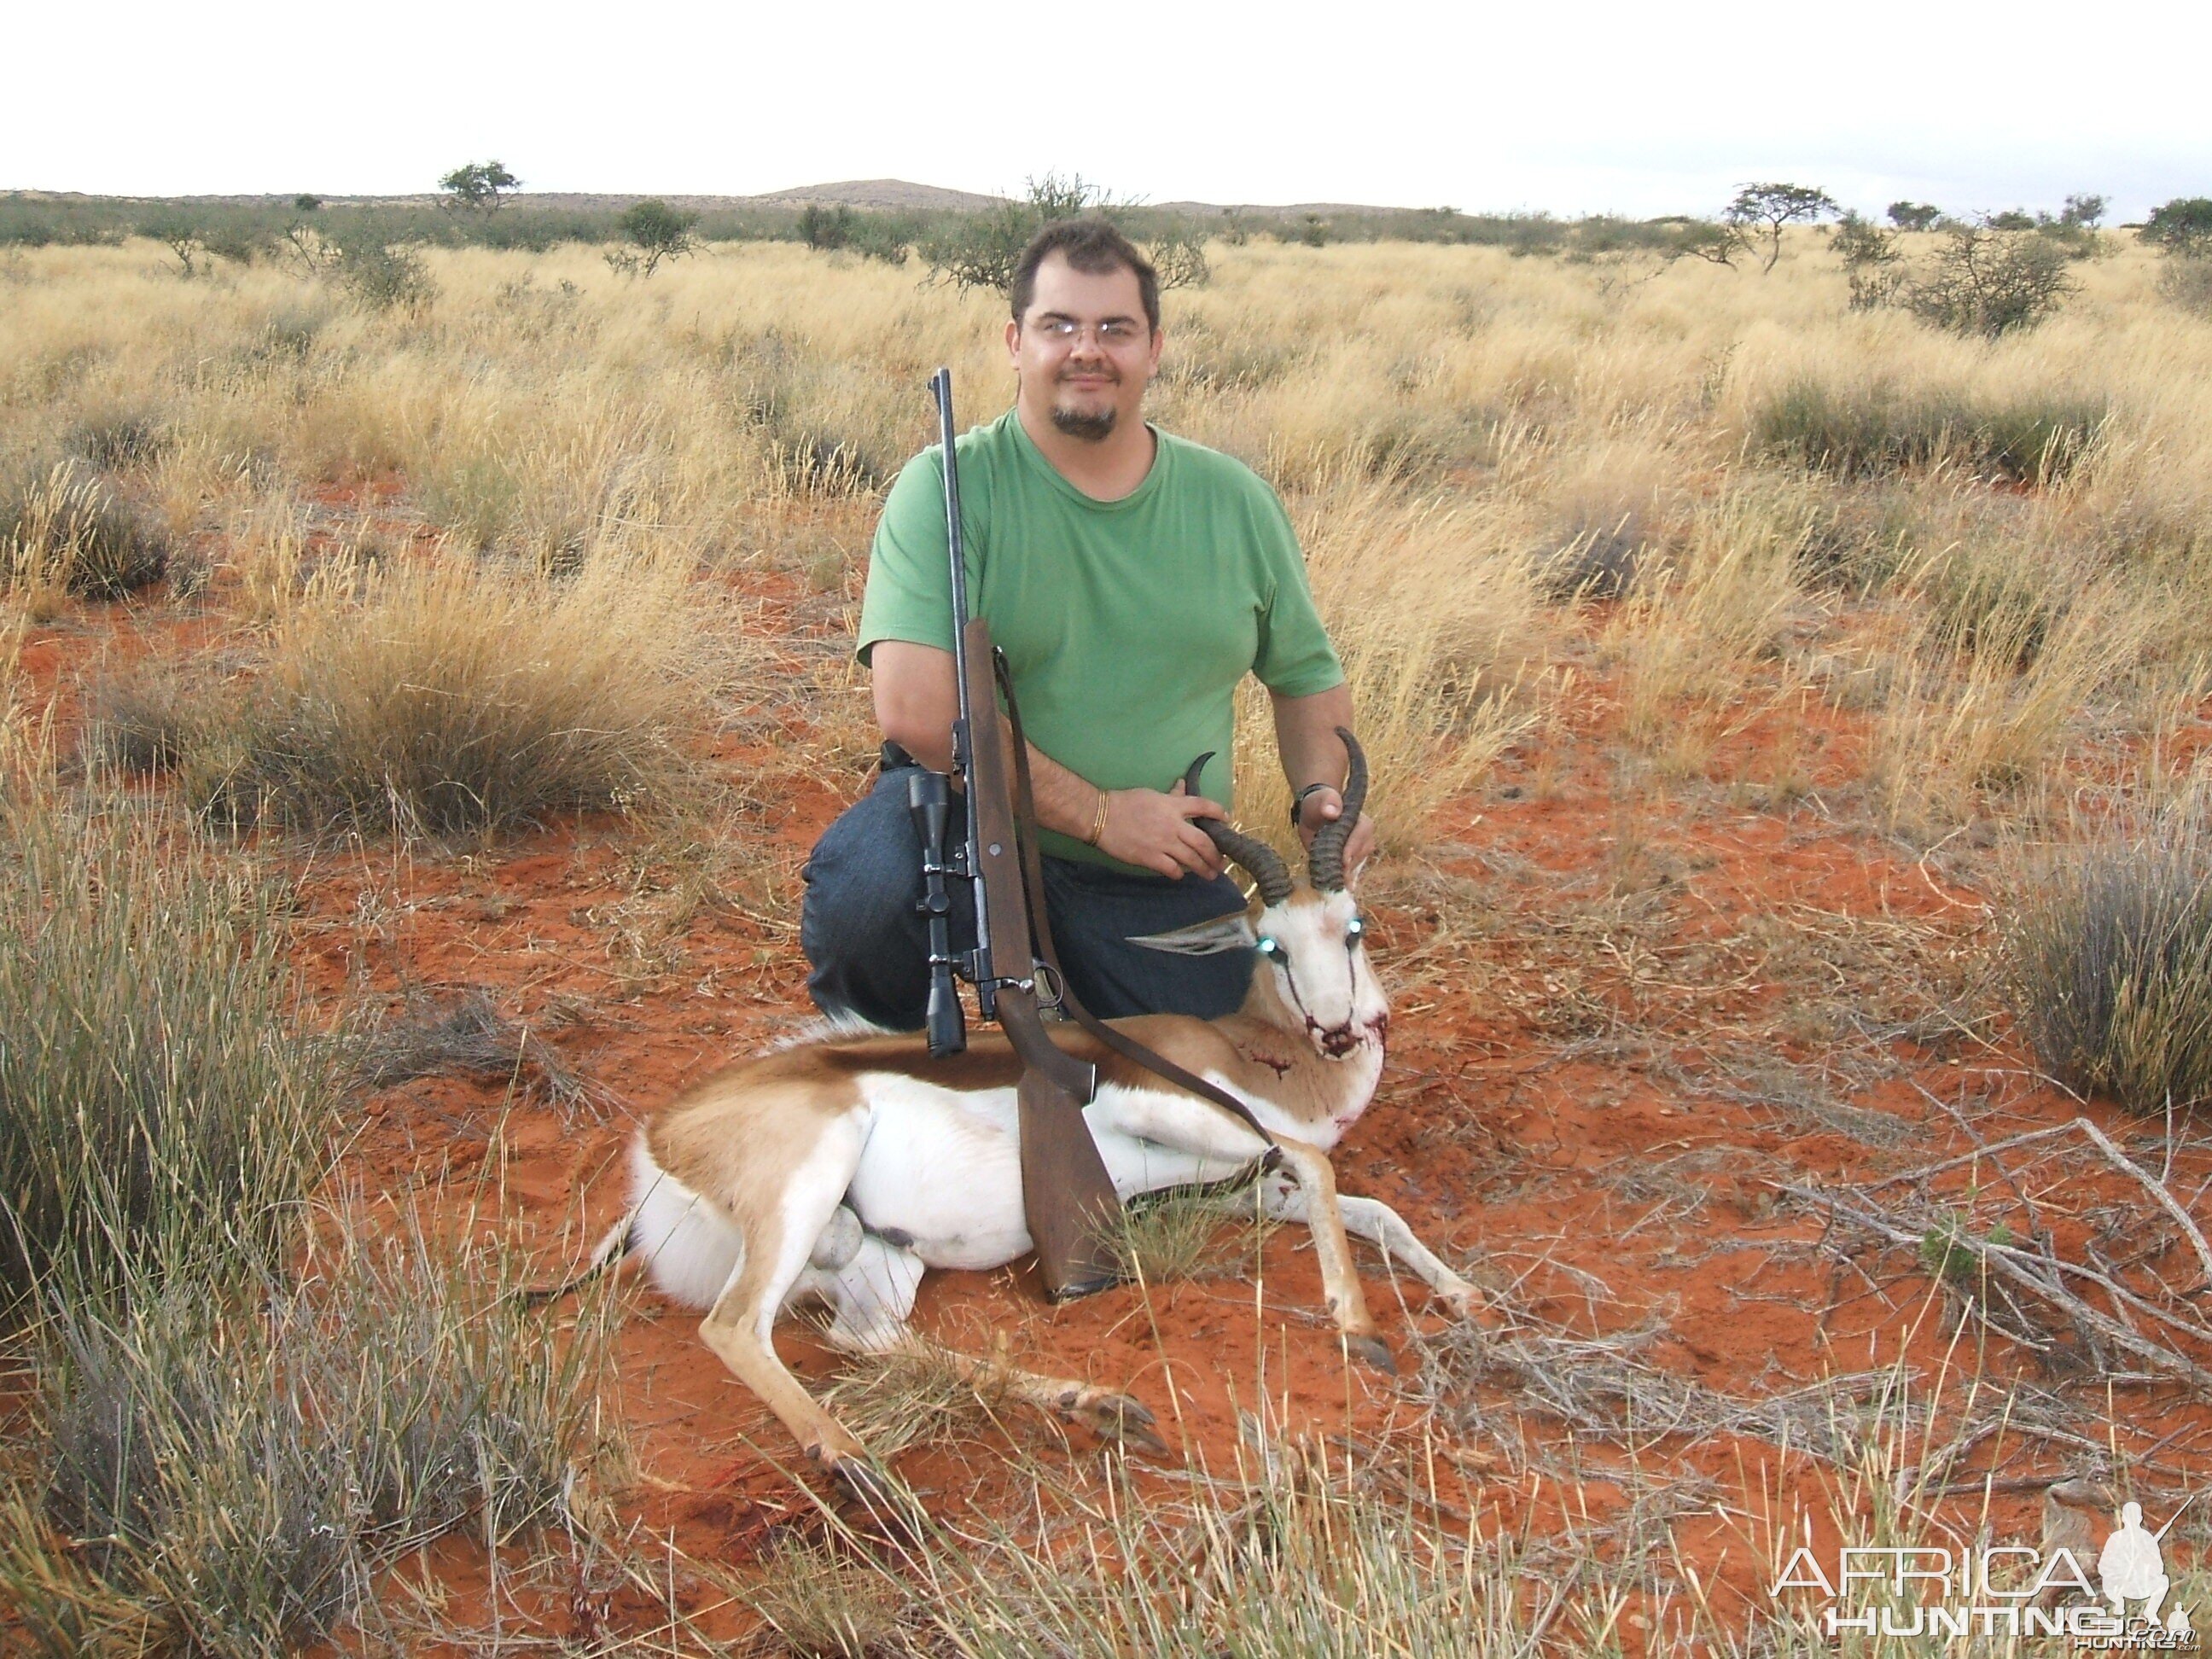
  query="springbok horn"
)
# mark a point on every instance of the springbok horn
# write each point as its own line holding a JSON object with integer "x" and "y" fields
{"x": 1325, "y": 860}
{"x": 1254, "y": 855}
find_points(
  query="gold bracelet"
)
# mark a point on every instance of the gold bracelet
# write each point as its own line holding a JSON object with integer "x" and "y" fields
{"x": 1098, "y": 823}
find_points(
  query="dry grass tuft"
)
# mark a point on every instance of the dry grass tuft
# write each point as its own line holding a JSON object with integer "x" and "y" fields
{"x": 68, "y": 534}
{"x": 143, "y": 719}
{"x": 447, "y": 698}
{"x": 895, "y": 1399}
{"x": 1187, "y": 1233}
{"x": 158, "y": 1095}
{"x": 233, "y": 1475}
{"x": 2108, "y": 952}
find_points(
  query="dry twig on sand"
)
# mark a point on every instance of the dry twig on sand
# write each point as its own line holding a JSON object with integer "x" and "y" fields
{"x": 465, "y": 1033}
{"x": 2040, "y": 1271}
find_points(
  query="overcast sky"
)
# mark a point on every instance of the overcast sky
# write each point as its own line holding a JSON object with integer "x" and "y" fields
{"x": 1641, "y": 109}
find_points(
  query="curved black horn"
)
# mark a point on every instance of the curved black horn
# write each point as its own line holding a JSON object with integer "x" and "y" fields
{"x": 1325, "y": 860}
{"x": 1266, "y": 865}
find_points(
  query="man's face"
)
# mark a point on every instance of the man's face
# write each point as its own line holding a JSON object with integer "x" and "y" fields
{"x": 1083, "y": 349}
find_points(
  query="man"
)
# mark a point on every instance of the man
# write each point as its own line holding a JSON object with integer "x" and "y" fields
{"x": 1133, "y": 579}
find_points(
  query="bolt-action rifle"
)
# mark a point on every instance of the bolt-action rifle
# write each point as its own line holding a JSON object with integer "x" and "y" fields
{"x": 1069, "y": 1199}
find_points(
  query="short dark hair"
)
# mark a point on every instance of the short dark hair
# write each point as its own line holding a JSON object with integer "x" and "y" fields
{"x": 1093, "y": 246}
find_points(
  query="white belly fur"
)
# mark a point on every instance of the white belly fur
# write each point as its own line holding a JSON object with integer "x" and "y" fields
{"x": 944, "y": 1169}
{"x": 688, "y": 1248}
{"x": 940, "y": 1172}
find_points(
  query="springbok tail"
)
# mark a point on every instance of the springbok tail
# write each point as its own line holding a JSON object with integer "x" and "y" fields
{"x": 607, "y": 1252}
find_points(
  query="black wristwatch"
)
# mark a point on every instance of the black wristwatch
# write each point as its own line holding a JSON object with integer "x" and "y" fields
{"x": 1298, "y": 801}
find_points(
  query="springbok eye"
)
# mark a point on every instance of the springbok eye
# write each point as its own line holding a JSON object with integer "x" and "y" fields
{"x": 1354, "y": 931}
{"x": 1269, "y": 948}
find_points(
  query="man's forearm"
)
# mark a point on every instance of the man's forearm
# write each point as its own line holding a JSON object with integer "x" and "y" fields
{"x": 1305, "y": 736}
{"x": 1065, "y": 801}
{"x": 916, "y": 702}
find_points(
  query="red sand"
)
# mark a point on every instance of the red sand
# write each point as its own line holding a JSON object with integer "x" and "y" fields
{"x": 1500, "y": 1131}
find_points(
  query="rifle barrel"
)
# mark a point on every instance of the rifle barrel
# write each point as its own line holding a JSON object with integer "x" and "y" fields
{"x": 982, "y": 974}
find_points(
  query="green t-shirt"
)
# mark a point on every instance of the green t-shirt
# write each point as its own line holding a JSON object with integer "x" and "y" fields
{"x": 1128, "y": 624}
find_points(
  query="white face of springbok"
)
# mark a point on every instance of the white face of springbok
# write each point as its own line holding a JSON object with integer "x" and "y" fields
{"x": 1309, "y": 935}
{"x": 1313, "y": 947}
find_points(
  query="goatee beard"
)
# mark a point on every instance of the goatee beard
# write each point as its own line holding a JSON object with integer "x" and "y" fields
{"x": 1094, "y": 426}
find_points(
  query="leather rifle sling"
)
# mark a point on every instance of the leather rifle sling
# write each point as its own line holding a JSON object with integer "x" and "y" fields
{"x": 1033, "y": 878}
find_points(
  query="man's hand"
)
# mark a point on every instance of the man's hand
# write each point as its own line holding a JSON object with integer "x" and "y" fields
{"x": 1326, "y": 805}
{"x": 1154, "y": 832}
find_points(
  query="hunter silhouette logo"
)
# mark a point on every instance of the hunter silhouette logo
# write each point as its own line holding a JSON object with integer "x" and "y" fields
{"x": 2004, "y": 1589}
{"x": 2131, "y": 1568}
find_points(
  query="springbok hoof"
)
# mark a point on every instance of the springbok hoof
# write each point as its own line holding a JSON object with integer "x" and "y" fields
{"x": 1465, "y": 1302}
{"x": 873, "y": 1491}
{"x": 1375, "y": 1351}
{"x": 1115, "y": 1417}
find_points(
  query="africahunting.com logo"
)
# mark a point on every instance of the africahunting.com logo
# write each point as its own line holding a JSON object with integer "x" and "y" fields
{"x": 2003, "y": 1590}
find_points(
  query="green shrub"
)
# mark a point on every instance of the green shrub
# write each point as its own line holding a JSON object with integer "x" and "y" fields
{"x": 980, "y": 249}
{"x": 656, "y": 232}
{"x": 1987, "y": 281}
{"x": 2181, "y": 226}
{"x": 2108, "y": 951}
{"x": 1871, "y": 261}
{"x": 158, "y": 1099}
{"x": 1178, "y": 257}
{"x": 1878, "y": 429}
{"x": 382, "y": 267}
{"x": 825, "y": 228}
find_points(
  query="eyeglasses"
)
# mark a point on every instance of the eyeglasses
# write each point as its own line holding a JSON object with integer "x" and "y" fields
{"x": 1113, "y": 333}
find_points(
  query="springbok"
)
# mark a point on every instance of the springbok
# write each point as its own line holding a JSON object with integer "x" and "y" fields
{"x": 845, "y": 1165}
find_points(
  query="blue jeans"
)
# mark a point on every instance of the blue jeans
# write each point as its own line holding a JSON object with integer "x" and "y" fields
{"x": 868, "y": 944}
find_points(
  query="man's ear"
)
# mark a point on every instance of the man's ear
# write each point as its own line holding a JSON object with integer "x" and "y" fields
{"x": 1205, "y": 938}
{"x": 1013, "y": 342}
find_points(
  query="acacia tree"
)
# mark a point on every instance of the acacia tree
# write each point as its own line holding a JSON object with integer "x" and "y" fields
{"x": 657, "y": 232}
{"x": 1760, "y": 212}
{"x": 1914, "y": 215}
{"x": 2084, "y": 211}
{"x": 1871, "y": 261}
{"x": 2183, "y": 226}
{"x": 478, "y": 184}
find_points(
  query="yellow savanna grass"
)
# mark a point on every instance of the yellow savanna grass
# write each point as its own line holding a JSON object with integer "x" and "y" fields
{"x": 1444, "y": 421}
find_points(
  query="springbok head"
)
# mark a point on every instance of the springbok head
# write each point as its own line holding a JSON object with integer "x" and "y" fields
{"x": 1309, "y": 935}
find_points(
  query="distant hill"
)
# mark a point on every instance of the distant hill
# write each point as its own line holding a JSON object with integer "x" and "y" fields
{"x": 889, "y": 195}
{"x": 883, "y": 193}
{"x": 894, "y": 193}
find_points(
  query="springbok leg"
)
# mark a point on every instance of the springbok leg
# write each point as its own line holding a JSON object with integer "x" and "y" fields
{"x": 1316, "y": 1183}
{"x": 1283, "y": 1200}
{"x": 870, "y": 1298}
{"x": 740, "y": 1326}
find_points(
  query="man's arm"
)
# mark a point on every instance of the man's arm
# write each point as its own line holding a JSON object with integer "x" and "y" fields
{"x": 918, "y": 698}
{"x": 1305, "y": 735}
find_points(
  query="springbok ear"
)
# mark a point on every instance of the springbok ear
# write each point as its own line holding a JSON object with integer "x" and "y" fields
{"x": 1203, "y": 939}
